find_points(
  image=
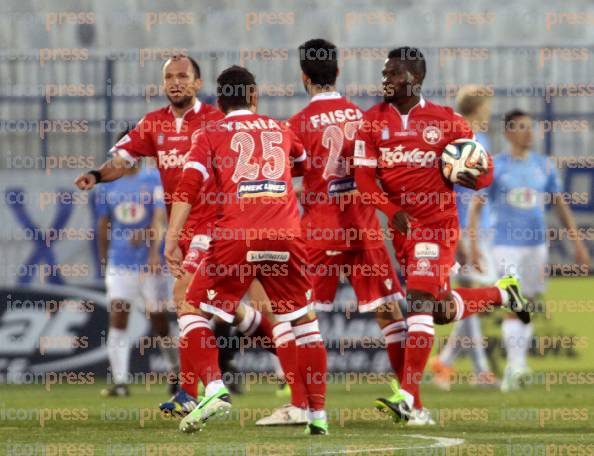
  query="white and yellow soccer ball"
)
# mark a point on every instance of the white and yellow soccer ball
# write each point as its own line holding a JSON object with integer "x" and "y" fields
{"x": 463, "y": 155}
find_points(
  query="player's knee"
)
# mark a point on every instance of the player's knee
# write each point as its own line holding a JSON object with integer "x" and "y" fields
{"x": 441, "y": 317}
{"x": 444, "y": 312}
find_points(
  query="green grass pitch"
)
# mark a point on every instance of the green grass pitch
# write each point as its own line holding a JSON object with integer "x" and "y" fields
{"x": 548, "y": 420}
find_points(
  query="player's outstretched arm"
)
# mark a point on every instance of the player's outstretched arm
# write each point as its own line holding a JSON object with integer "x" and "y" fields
{"x": 564, "y": 213}
{"x": 111, "y": 170}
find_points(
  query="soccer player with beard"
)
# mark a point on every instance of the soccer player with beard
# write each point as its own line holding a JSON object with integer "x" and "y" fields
{"x": 248, "y": 158}
{"x": 165, "y": 135}
{"x": 399, "y": 143}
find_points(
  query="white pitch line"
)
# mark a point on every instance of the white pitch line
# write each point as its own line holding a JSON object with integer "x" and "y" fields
{"x": 441, "y": 442}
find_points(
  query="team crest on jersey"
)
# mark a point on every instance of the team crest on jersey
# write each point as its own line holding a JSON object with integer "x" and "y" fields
{"x": 388, "y": 283}
{"x": 255, "y": 189}
{"x": 308, "y": 294}
{"x": 160, "y": 139}
{"x": 423, "y": 268}
{"x": 385, "y": 134}
{"x": 129, "y": 213}
{"x": 432, "y": 135}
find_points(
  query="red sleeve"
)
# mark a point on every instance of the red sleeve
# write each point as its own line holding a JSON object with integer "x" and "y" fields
{"x": 137, "y": 143}
{"x": 365, "y": 162}
{"x": 371, "y": 191}
{"x": 196, "y": 170}
{"x": 298, "y": 154}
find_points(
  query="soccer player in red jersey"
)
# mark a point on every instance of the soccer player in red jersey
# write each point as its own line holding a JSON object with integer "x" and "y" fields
{"x": 399, "y": 143}
{"x": 343, "y": 235}
{"x": 165, "y": 135}
{"x": 257, "y": 235}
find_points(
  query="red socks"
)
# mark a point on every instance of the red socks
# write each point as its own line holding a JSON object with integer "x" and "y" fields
{"x": 395, "y": 337}
{"x": 198, "y": 353}
{"x": 284, "y": 342}
{"x": 419, "y": 343}
{"x": 311, "y": 355}
{"x": 470, "y": 301}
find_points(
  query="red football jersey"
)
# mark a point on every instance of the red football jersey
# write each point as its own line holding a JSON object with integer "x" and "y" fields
{"x": 167, "y": 139}
{"x": 334, "y": 217}
{"x": 406, "y": 150}
{"x": 248, "y": 156}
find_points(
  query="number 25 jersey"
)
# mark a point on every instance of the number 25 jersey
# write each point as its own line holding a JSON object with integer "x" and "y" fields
{"x": 249, "y": 157}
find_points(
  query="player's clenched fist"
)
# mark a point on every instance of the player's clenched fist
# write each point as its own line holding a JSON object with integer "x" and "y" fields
{"x": 86, "y": 181}
{"x": 402, "y": 221}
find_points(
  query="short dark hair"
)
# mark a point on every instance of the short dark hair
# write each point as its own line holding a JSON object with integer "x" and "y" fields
{"x": 234, "y": 86}
{"x": 412, "y": 57}
{"x": 510, "y": 116}
{"x": 319, "y": 61}
{"x": 193, "y": 62}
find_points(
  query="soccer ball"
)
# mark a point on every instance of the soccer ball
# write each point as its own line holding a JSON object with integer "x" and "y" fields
{"x": 463, "y": 155}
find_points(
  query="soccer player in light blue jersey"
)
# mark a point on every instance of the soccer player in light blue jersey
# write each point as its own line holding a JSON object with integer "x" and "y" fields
{"x": 474, "y": 104}
{"x": 524, "y": 180}
{"x": 129, "y": 211}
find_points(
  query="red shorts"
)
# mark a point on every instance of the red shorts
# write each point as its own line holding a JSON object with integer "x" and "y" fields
{"x": 370, "y": 272}
{"x": 229, "y": 267}
{"x": 194, "y": 251}
{"x": 427, "y": 255}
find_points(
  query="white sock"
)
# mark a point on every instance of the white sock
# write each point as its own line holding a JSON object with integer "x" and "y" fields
{"x": 189, "y": 322}
{"x": 408, "y": 398}
{"x": 250, "y": 321}
{"x": 118, "y": 352}
{"x": 504, "y": 296}
{"x": 213, "y": 387}
{"x": 477, "y": 352}
{"x": 512, "y": 332}
{"x": 318, "y": 414}
{"x": 525, "y": 343}
{"x": 452, "y": 349}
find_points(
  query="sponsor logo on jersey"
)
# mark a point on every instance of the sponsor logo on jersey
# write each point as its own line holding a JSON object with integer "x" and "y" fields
{"x": 255, "y": 189}
{"x": 254, "y": 256}
{"x": 342, "y": 186}
{"x": 129, "y": 213}
{"x": 522, "y": 198}
{"x": 397, "y": 155}
{"x": 426, "y": 250}
{"x": 432, "y": 135}
{"x": 171, "y": 158}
